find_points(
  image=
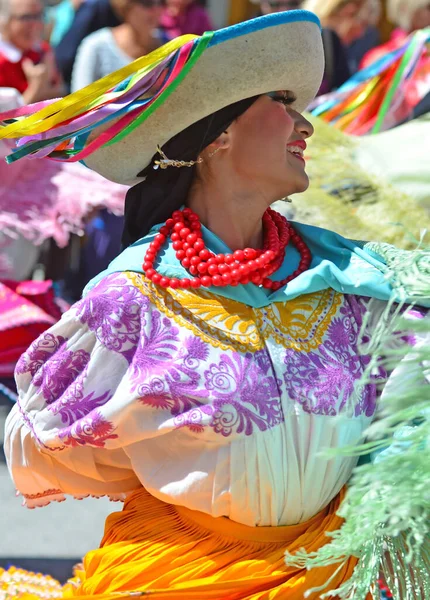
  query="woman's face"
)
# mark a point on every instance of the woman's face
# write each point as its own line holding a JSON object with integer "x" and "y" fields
{"x": 267, "y": 144}
{"x": 24, "y": 28}
{"x": 350, "y": 20}
{"x": 144, "y": 14}
{"x": 421, "y": 18}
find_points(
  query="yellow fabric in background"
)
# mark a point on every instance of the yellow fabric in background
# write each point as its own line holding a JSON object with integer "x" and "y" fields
{"x": 176, "y": 553}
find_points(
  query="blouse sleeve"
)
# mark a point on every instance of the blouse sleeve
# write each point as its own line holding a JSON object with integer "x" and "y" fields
{"x": 78, "y": 388}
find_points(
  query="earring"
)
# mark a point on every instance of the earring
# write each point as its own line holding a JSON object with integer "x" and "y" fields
{"x": 215, "y": 152}
{"x": 165, "y": 162}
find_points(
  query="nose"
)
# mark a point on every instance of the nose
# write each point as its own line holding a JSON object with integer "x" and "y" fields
{"x": 303, "y": 126}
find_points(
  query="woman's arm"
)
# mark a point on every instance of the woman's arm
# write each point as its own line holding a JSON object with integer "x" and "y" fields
{"x": 86, "y": 69}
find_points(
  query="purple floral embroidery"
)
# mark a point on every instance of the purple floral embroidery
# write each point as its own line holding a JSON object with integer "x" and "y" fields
{"x": 157, "y": 346}
{"x": 114, "y": 311}
{"x": 38, "y": 353}
{"x": 322, "y": 381}
{"x": 59, "y": 372}
{"x": 177, "y": 389}
{"x": 92, "y": 430}
{"x": 245, "y": 396}
{"x": 73, "y": 405}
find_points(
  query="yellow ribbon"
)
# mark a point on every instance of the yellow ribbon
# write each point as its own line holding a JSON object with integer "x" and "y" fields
{"x": 78, "y": 102}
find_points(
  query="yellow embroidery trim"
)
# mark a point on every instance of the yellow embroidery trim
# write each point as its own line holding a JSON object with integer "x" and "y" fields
{"x": 230, "y": 325}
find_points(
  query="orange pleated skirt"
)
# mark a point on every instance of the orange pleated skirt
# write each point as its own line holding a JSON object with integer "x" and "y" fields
{"x": 167, "y": 552}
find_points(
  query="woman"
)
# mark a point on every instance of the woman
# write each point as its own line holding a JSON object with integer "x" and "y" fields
{"x": 26, "y": 61}
{"x": 204, "y": 384}
{"x": 184, "y": 16}
{"x": 407, "y": 17}
{"x": 109, "y": 49}
{"x": 337, "y": 70}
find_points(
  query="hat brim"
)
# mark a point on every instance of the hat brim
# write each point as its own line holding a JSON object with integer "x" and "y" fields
{"x": 281, "y": 51}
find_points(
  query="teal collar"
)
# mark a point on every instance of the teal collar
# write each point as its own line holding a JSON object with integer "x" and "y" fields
{"x": 347, "y": 266}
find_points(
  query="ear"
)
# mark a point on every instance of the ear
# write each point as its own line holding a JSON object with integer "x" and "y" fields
{"x": 223, "y": 142}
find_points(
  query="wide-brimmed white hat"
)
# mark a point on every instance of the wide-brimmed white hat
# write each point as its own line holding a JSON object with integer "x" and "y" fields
{"x": 280, "y": 51}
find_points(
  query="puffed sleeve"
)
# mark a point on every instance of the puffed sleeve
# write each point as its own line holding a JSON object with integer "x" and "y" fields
{"x": 77, "y": 409}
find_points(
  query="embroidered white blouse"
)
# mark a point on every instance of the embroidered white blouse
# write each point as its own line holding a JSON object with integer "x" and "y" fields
{"x": 208, "y": 403}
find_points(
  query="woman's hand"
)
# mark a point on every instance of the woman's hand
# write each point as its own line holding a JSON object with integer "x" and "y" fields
{"x": 37, "y": 77}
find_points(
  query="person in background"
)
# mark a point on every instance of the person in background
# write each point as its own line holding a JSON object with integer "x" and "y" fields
{"x": 407, "y": 16}
{"x": 269, "y": 6}
{"x": 371, "y": 37}
{"x": 27, "y": 63}
{"x": 60, "y": 18}
{"x": 184, "y": 16}
{"x": 111, "y": 48}
{"x": 99, "y": 54}
{"x": 337, "y": 69}
{"x": 90, "y": 16}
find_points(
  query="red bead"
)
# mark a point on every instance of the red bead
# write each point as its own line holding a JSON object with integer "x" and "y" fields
{"x": 195, "y": 226}
{"x": 219, "y": 259}
{"x": 212, "y": 269}
{"x": 199, "y": 245}
{"x": 175, "y": 237}
{"x": 244, "y": 280}
{"x": 185, "y": 246}
{"x": 186, "y": 263}
{"x": 177, "y": 215}
{"x": 190, "y": 252}
{"x": 252, "y": 266}
{"x": 206, "y": 281}
{"x": 180, "y": 254}
{"x": 195, "y": 260}
{"x": 226, "y": 278}
{"x": 178, "y": 227}
{"x": 204, "y": 254}
{"x": 156, "y": 278}
{"x": 187, "y": 211}
{"x": 174, "y": 284}
{"x": 193, "y": 270}
{"x": 236, "y": 274}
{"x": 150, "y": 256}
{"x": 267, "y": 284}
{"x": 165, "y": 282}
{"x": 150, "y": 273}
{"x": 223, "y": 268}
{"x": 276, "y": 286}
{"x": 239, "y": 255}
{"x": 250, "y": 253}
{"x": 202, "y": 268}
{"x": 217, "y": 280}
{"x": 196, "y": 283}
{"x": 177, "y": 246}
{"x": 229, "y": 259}
{"x": 243, "y": 270}
{"x": 170, "y": 223}
{"x": 256, "y": 278}
{"x": 164, "y": 230}
{"x": 184, "y": 233}
{"x": 147, "y": 265}
{"x": 192, "y": 238}
{"x": 185, "y": 284}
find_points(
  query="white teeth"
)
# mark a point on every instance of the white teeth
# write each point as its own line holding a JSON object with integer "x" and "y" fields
{"x": 296, "y": 150}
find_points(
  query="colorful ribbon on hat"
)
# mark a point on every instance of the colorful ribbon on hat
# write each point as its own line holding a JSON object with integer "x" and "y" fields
{"x": 110, "y": 109}
{"x": 369, "y": 101}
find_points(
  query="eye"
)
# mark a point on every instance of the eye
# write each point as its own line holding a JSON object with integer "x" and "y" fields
{"x": 286, "y": 98}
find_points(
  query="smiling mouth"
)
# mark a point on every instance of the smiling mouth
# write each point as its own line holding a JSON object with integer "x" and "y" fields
{"x": 297, "y": 152}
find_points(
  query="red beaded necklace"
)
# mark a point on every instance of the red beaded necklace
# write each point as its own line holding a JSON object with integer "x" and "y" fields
{"x": 241, "y": 267}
